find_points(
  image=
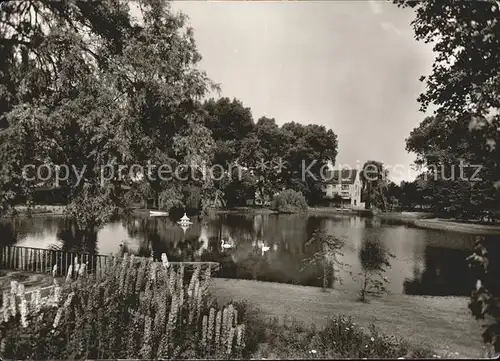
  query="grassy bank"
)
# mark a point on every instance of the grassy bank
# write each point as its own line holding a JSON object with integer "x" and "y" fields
{"x": 243, "y": 210}
{"x": 403, "y": 216}
{"x": 443, "y": 324}
{"x": 40, "y": 210}
{"x": 333, "y": 210}
{"x": 417, "y": 219}
{"x": 306, "y": 319}
{"x": 442, "y": 224}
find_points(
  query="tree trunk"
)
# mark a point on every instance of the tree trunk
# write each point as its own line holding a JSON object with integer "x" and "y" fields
{"x": 362, "y": 297}
{"x": 332, "y": 281}
{"x": 368, "y": 196}
{"x": 325, "y": 280}
{"x": 216, "y": 201}
{"x": 384, "y": 201}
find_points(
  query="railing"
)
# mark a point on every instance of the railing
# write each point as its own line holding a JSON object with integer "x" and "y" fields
{"x": 40, "y": 260}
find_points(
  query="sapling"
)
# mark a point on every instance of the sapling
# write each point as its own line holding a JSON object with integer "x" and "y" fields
{"x": 375, "y": 260}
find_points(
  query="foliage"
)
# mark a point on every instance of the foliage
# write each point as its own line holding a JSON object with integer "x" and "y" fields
{"x": 340, "y": 338}
{"x": 275, "y": 156}
{"x": 463, "y": 86}
{"x": 242, "y": 187}
{"x": 375, "y": 260}
{"x": 289, "y": 201}
{"x": 466, "y": 67}
{"x": 82, "y": 86}
{"x": 455, "y": 179}
{"x": 373, "y": 177}
{"x": 411, "y": 195}
{"x": 135, "y": 103}
{"x": 139, "y": 309}
{"x": 327, "y": 255}
{"x": 485, "y": 299}
{"x": 393, "y": 194}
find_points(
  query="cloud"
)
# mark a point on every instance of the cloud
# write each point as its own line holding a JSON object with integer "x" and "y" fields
{"x": 375, "y": 6}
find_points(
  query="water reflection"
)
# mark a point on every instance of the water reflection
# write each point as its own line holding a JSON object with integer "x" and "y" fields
{"x": 269, "y": 247}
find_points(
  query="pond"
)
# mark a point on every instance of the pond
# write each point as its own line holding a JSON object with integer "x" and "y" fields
{"x": 427, "y": 262}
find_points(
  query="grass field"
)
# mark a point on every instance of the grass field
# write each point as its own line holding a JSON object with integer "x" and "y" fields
{"x": 444, "y": 324}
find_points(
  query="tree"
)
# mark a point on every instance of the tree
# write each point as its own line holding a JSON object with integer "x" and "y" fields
{"x": 240, "y": 188}
{"x": 289, "y": 201}
{"x": 446, "y": 153}
{"x": 309, "y": 149}
{"x": 327, "y": 256}
{"x": 272, "y": 148}
{"x": 43, "y": 56}
{"x": 464, "y": 88}
{"x": 338, "y": 200}
{"x": 374, "y": 185}
{"x": 410, "y": 195}
{"x": 135, "y": 103}
{"x": 230, "y": 123}
{"x": 393, "y": 195}
{"x": 462, "y": 83}
{"x": 375, "y": 260}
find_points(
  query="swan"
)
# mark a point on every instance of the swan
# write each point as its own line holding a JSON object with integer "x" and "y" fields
{"x": 263, "y": 247}
{"x": 225, "y": 245}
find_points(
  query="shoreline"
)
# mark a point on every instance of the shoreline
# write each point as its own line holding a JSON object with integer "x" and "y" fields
{"x": 470, "y": 228}
{"x": 423, "y": 220}
{"x": 429, "y": 221}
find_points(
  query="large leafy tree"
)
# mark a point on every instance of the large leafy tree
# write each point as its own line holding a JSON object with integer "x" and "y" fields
{"x": 464, "y": 86}
{"x": 277, "y": 157}
{"x": 310, "y": 148}
{"x": 122, "y": 99}
{"x": 448, "y": 154}
{"x": 43, "y": 59}
{"x": 231, "y": 124}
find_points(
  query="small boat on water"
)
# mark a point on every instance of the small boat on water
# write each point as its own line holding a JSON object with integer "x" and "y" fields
{"x": 185, "y": 220}
{"x": 158, "y": 214}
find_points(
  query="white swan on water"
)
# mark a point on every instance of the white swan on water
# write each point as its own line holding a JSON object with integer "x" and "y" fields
{"x": 225, "y": 245}
{"x": 263, "y": 247}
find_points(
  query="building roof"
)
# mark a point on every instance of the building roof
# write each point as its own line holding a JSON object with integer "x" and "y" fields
{"x": 344, "y": 176}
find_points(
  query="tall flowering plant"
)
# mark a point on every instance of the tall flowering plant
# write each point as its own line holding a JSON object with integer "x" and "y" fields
{"x": 138, "y": 309}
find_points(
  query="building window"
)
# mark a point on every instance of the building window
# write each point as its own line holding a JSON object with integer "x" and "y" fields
{"x": 345, "y": 187}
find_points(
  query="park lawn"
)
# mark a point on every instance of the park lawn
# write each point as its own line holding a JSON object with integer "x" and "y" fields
{"x": 444, "y": 324}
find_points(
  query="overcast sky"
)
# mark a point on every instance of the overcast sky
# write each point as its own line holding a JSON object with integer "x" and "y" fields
{"x": 352, "y": 66}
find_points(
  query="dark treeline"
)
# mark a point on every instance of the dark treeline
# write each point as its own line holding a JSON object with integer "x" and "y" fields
{"x": 82, "y": 86}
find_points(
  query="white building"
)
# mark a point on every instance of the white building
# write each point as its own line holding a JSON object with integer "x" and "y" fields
{"x": 345, "y": 183}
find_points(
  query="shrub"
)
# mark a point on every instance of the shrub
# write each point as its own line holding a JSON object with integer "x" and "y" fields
{"x": 375, "y": 259}
{"x": 485, "y": 299}
{"x": 138, "y": 309}
{"x": 327, "y": 255}
{"x": 289, "y": 201}
{"x": 340, "y": 338}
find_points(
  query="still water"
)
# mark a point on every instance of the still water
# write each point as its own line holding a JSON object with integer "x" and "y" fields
{"x": 271, "y": 247}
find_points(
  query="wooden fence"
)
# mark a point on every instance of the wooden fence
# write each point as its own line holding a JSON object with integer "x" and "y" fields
{"x": 39, "y": 260}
